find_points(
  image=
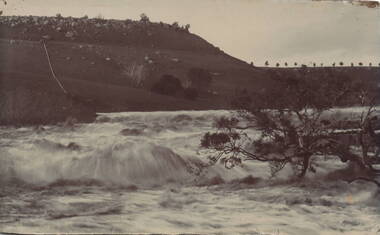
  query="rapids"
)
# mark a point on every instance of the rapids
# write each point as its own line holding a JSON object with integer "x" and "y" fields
{"x": 141, "y": 172}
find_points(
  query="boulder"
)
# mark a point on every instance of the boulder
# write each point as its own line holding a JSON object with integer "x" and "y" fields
{"x": 69, "y": 34}
{"x": 47, "y": 37}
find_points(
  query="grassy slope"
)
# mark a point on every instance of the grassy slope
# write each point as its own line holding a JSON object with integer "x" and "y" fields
{"x": 108, "y": 84}
{"x": 89, "y": 75}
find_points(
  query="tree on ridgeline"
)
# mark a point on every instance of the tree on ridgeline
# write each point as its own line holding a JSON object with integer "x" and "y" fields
{"x": 175, "y": 25}
{"x": 144, "y": 18}
{"x": 295, "y": 64}
{"x": 321, "y": 65}
{"x": 187, "y": 27}
{"x": 370, "y": 64}
{"x": 360, "y": 64}
{"x": 352, "y": 64}
{"x": 290, "y": 124}
{"x": 286, "y": 64}
{"x": 277, "y": 64}
{"x": 333, "y": 64}
{"x": 341, "y": 63}
{"x": 314, "y": 65}
{"x": 266, "y": 63}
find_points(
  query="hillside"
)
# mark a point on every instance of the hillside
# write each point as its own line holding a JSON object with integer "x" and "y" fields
{"x": 111, "y": 65}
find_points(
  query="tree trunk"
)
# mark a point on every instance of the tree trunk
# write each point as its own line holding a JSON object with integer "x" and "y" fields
{"x": 364, "y": 147}
{"x": 305, "y": 164}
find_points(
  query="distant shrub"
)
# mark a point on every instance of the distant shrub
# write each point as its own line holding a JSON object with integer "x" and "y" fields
{"x": 175, "y": 24}
{"x": 144, "y": 18}
{"x": 167, "y": 85}
{"x": 191, "y": 93}
{"x": 187, "y": 27}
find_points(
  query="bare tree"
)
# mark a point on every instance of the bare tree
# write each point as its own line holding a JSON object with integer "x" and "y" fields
{"x": 291, "y": 124}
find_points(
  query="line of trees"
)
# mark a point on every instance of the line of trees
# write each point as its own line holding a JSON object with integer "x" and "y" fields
{"x": 145, "y": 19}
{"x": 320, "y": 65}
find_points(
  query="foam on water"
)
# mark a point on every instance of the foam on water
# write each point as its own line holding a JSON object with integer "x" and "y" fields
{"x": 129, "y": 170}
{"x": 146, "y": 149}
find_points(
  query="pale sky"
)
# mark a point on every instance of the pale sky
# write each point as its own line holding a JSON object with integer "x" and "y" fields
{"x": 302, "y": 31}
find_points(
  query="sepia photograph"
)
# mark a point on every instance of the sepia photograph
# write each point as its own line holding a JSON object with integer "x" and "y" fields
{"x": 253, "y": 117}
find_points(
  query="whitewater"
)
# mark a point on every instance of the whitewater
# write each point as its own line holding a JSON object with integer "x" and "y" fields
{"x": 144, "y": 172}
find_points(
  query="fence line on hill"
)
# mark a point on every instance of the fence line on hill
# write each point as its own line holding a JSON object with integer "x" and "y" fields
{"x": 51, "y": 69}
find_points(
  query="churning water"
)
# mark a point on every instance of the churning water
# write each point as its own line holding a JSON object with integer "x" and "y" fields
{"x": 142, "y": 173}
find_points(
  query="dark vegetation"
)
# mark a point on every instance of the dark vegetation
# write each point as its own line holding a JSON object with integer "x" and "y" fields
{"x": 167, "y": 85}
{"x": 198, "y": 81}
{"x": 295, "y": 126}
